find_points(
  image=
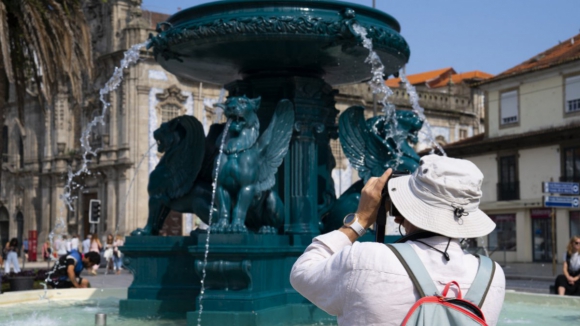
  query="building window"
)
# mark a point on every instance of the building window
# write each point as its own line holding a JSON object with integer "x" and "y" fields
{"x": 462, "y": 134}
{"x": 572, "y": 90}
{"x": 5, "y": 144}
{"x": 168, "y": 112}
{"x": 574, "y": 224}
{"x": 508, "y": 187}
{"x": 509, "y": 107}
{"x": 571, "y": 164}
{"x": 503, "y": 236}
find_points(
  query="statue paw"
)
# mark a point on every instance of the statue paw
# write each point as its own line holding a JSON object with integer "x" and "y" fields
{"x": 267, "y": 230}
{"x": 221, "y": 226}
{"x": 141, "y": 232}
{"x": 237, "y": 227}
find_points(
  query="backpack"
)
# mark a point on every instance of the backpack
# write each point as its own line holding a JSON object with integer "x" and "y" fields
{"x": 433, "y": 308}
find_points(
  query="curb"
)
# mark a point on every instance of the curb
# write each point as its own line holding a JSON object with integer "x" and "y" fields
{"x": 530, "y": 277}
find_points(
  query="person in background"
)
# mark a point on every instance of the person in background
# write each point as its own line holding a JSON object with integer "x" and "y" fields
{"x": 109, "y": 252}
{"x": 74, "y": 242}
{"x": 60, "y": 246}
{"x": 117, "y": 255}
{"x": 87, "y": 244}
{"x": 67, "y": 242}
{"x": 569, "y": 282}
{"x": 66, "y": 272}
{"x": 11, "y": 249}
{"x": 95, "y": 246}
{"x": 25, "y": 247}
{"x": 46, "y": 250}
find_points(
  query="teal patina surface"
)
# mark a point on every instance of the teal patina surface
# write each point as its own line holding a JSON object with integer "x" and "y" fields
{"x": 279, "y": 61}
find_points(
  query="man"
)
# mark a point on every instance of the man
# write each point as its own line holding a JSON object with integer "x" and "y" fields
{"x": 66, "y": 272}
{"x": 87, "y": 244}
{"x": 365, "y": 283}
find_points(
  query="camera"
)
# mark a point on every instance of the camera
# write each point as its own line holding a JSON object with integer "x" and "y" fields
{"x": 382, "y": 213}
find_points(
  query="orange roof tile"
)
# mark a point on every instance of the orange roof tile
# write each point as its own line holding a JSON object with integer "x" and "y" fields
{"x": 566, "y": 51}
{"x": 458, "y": 78}
{"x": 421, "y": 78}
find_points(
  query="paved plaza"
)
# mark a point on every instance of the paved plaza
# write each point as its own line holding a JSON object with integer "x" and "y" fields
{"x": 524, "y": 277}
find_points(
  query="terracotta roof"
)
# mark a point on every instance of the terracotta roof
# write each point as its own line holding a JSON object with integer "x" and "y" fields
{"x": 566, "y": 51}
{"x": 422, "y": 78}
{"x": 475, "y": 75}
{"x": 154, "y": 17}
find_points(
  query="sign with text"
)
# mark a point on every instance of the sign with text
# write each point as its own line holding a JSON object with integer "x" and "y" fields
{"x": 562, "y": 188}
{"x": 564, "y": 202}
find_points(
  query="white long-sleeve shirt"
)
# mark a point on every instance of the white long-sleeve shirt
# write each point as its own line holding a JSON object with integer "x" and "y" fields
{"x": 365, "y": 284}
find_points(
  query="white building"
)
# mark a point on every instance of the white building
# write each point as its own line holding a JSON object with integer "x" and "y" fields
{"x": 532, "y": 135}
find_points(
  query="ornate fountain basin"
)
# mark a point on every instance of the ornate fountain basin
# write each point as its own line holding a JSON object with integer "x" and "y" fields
{"x": 223, "y": 41}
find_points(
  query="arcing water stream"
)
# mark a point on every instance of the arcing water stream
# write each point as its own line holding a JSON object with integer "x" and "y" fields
{"x": 378, "y": 86}
{"x": 131, "y": 56}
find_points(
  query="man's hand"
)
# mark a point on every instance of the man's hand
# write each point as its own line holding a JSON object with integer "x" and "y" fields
{"x": 370, "y": 199}
{"x": 70, "y": 271}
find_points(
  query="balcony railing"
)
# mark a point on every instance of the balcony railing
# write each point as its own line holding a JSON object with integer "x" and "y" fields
{"x": 508, "y": 191}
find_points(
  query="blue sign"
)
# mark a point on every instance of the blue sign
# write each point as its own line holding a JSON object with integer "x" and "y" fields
{"x": 564, "y": 202}
{"x": 562, "y": 188}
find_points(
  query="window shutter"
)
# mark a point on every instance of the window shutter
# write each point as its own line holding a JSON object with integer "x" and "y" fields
{"x": 572, "y": 103}
{"x": 509, "y": 107}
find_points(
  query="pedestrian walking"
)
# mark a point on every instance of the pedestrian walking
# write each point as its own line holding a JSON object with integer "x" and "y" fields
{"x": 95, "y": 246}
{"x": 11, "y": 250}
{"x": 117, "y": 254}
{"x": 87, "y": 244}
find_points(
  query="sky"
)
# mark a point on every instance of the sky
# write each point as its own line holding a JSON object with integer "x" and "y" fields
{"x": 486, "y": 35}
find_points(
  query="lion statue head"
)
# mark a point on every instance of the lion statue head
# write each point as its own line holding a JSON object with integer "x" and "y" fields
{"x": 183, "y": 143}
{"x": 244, "y": 126}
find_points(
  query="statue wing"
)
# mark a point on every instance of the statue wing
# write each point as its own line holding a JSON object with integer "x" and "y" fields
{"x": 365, "y": 153}
{"x": 273, "y": 144}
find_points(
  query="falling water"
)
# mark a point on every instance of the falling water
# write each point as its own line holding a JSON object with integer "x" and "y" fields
{"x": 214, "y": 186}
{"x": 378, "y": 86}
{"x": 130, "y": 56}
{"x": 421, "y": 112}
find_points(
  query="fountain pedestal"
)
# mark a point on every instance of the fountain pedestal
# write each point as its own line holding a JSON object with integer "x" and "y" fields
{"x": 294, "y": 50}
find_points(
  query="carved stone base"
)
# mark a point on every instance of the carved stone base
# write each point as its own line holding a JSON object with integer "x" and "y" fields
{"x": 247, "y": 279}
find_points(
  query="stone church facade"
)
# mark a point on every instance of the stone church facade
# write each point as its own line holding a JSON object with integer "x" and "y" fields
{"x": 40, "y": 149}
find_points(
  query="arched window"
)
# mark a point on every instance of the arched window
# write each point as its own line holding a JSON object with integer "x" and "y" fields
{"x": 4, "y": 226}
{"x": 5, "y": 144}
{"x": 21, "y": 151}
{"x": 169, "y": 111}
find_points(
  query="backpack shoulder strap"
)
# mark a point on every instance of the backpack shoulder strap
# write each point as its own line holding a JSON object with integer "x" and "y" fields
{"x": 482, "y": 282}
{"x": 415, "y": 268}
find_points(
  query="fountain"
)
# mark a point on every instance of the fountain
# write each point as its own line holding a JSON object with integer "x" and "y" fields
{"x": 273, "y": 57}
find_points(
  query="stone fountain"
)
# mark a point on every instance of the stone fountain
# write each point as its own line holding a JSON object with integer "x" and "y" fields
{"x": 286, "y": 55}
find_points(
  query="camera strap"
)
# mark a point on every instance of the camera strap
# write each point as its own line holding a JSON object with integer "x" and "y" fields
{"x": 416, "y": 236}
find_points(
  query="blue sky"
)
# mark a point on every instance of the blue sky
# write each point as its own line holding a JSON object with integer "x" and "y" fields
{"x": 487, "y": 35}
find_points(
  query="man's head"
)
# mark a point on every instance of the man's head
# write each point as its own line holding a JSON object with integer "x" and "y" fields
{"x": 442, "y": 196}
{"x": 91, "y": 258}
{"x": 89, "y": 236}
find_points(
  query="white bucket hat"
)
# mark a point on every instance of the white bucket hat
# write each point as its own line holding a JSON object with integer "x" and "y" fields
{"x": 442, "y": 196}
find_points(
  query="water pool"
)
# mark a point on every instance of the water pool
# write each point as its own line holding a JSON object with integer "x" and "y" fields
{"x": 519, "y": 309}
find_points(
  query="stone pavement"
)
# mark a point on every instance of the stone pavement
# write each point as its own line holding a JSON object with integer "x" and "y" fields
{"x": 525, "y": 277}
{"x": 102, "y": 281}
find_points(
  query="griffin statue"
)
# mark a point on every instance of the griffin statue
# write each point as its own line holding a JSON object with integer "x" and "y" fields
{"x": 182, "y": 181}
{"x": 372, "y": 146}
